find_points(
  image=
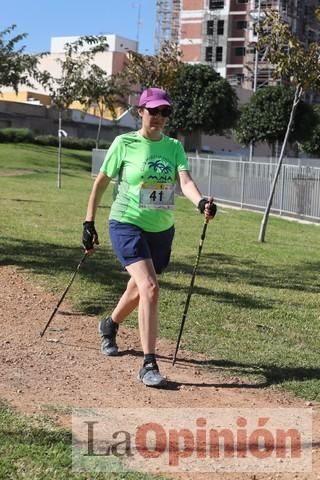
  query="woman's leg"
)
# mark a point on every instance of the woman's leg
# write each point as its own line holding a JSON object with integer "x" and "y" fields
{"x": 142, "y": 289}
{"x": 108, "y": 327}
{"x": 144, "y": 276}
{"x": 127, "y": 303}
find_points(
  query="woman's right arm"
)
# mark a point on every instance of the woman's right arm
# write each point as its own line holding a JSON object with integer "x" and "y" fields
{"x": 90, "y": 235}
{"x": 99, "y": 186}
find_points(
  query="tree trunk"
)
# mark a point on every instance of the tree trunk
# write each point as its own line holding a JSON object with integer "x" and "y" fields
{"x": 101, "y": 112}
{"x": 192, "y": 141}
{"x": 98, "y": 132}
{"x": 263, "y": 226}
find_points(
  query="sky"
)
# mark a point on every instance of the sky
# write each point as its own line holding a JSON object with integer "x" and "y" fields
{"x": 43, "y": 19}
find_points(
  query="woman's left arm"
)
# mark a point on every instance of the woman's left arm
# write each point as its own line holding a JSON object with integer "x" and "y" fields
{"x": 188, "y": 187}
{"x": 191, "y": 191}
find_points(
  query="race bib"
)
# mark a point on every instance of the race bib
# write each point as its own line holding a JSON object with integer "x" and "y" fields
{"x": 157, "y": 195}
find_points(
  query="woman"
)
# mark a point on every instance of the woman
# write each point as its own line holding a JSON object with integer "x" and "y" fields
{"x": 147, "y": 164}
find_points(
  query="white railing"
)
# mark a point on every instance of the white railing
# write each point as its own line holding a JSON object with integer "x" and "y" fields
{"x": 247, "y": 184}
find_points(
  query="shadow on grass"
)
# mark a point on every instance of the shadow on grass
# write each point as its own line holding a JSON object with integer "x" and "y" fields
{"x": 18, "y": 430}
{"x": 272, "y": 374}
{"x": 24, "y": 200}
{"x": 240, "y": 300}
{"x": 48, "y": 259}
{"x": 230, "y": 268}
{"x": 104, "y": 270}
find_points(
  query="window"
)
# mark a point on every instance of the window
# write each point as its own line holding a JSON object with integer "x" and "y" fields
{"x": 255, "y": 26}
{"x": 239, "y": 51}
{"x": 210, "y": 25}
{"x": 209, "y": 54}
{"x": 251, "y": 50}
{"x": 220, "y": 27}
{"x": 242, "y": 1}
{"x": 219, "y": 51}
{"x": 241, "y": 24}
{"x": 263, "y": 3}
{"x": 216, "y": 4}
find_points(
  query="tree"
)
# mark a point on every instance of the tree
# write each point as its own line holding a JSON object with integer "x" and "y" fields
{"x": 158, "y": 70}
{"x": 265, "y": 117}
{"x": 294, "y": 63}
{"x": 103, "y": 91}
{"x": 67, "y": 88}
{"x": 203, "y": 102}
{"x": 312, "y": 145}
{"x": 17, "y": 67}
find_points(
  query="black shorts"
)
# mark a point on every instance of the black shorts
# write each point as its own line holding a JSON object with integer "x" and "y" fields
{"x": 131, "y": 244}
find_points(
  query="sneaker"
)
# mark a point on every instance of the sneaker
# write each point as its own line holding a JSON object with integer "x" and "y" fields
{"x": 108, "y": 332}
{"x": 150, "y": 376}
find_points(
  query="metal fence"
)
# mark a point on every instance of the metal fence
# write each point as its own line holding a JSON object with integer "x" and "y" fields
{"x": 247, "y": 184}
{"x": 97, "y": 159}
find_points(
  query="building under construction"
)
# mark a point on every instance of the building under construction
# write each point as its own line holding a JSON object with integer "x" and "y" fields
{"x": 222, "y": 33}
{"x": 167, "y": 21}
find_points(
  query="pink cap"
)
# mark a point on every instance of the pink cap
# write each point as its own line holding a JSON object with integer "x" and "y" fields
{"x": 154, "y": 97}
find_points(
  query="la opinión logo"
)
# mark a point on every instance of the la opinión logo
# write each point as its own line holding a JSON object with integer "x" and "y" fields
{"x": 152, "y": 440}
{"x": 177, "y": 438}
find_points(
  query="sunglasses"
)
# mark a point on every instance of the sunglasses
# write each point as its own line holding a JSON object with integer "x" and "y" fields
{"x": 164, "y": 112}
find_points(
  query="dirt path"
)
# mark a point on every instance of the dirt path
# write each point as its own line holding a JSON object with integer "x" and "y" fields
{"x": 66, "y": 369}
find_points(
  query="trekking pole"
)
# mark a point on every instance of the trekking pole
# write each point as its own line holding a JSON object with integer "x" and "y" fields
{"x": 64, "y": 294}
{"x": 203, "y": 234}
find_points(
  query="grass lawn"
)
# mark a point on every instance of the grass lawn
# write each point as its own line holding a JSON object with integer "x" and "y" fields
{"x": 255, "y": 310}
{"x": 33, "y": 448}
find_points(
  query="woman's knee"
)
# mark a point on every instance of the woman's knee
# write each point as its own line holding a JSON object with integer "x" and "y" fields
{"x": 149, "y": 289}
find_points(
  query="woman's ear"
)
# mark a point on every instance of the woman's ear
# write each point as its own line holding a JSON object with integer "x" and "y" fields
{"x": 140, "y": 111}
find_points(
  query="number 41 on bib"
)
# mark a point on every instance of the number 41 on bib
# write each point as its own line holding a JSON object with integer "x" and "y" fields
{"x": 156, "y": 195}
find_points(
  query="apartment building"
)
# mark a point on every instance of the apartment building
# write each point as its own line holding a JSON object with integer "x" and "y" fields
{"x": 111, "y": 60}
{"x": 38, "y": 112}
{"x": 222, "y": 33}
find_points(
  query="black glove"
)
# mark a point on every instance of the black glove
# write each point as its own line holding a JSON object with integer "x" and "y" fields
{"x": 89, "y": 235}
{"x": 212, "y": 206}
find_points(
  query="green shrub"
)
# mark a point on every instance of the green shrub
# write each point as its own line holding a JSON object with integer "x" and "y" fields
{"x": 48, "y": 140}
{"x": 104, "y": 144}
{"x": 16, "y": 135}
{"x": 70, "y": 142}
{"x": 78, "y": 143}
{"x": 25, "y": 135}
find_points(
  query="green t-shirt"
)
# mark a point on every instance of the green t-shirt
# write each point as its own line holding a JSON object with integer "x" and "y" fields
{"x": 139, "y": 163}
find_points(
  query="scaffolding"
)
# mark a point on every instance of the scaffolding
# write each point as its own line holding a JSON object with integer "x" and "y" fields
{"x": 212, "y": 38}
{"x": 167, "y": 21}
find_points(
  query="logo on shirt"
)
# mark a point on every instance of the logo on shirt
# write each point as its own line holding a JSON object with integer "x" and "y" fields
{"x": 161, "y": 170}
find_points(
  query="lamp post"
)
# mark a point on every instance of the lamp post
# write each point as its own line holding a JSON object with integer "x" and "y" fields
{"x": 61, "y": 133}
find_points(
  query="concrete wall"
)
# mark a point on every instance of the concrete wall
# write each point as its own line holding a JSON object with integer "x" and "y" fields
{"x": 44, "y": 121}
